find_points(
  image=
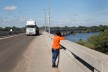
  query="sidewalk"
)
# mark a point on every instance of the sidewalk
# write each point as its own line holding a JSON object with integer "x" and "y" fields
{"x": 41, "y": 60}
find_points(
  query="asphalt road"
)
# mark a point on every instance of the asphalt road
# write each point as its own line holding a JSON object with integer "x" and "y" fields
{"x": 11, "y": 51}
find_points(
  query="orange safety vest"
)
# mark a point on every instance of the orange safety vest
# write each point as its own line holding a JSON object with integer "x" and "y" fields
{"x": 56, "y": 42}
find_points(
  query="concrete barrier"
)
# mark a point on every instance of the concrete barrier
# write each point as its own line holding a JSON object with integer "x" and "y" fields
{"x": 77, "y": 58}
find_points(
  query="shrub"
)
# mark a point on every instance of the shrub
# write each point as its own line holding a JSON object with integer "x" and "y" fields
{"x": 97, "y": 42}
{"x": 100, "y": 42}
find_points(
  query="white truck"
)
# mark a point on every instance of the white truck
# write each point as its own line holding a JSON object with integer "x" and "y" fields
{"x": 31, "y": 28}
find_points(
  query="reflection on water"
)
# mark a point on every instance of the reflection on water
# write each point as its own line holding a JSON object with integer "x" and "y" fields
{"x": 76, "y": 37}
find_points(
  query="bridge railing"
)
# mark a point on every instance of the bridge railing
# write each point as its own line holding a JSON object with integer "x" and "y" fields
{"x": 77, "y": 58}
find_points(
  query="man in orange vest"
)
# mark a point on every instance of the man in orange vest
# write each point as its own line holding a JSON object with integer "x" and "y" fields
{"x": 56, "y": 47}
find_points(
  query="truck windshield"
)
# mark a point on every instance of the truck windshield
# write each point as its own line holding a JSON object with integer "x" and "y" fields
{"x": 31, "y": 26}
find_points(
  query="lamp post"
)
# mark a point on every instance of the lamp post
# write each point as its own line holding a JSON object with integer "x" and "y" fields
{"x": 49, "y": 16}
{"x": 45, "y": 18}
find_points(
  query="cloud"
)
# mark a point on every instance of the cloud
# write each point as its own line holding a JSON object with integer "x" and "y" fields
{"x": 10, "y": 8}
{"x": 16, "y": 21}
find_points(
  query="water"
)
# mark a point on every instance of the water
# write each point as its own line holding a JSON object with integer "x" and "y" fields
{"x": 76, "y": 37}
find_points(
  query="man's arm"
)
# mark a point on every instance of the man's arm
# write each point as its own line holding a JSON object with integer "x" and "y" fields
{"x": 62, "y": 38}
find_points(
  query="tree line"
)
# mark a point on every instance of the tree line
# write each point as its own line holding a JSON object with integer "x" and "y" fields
{"x": 99, "y": 28}
{"x": 14, "y": 28}
{"x": 86, "y": 29}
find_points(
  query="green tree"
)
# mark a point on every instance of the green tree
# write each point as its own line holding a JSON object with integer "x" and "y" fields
{"x": 7, "y": 28}
{"x": 16, "y": 28}
{"x": 100, "y": 42}
{"x": 1, "y": 29}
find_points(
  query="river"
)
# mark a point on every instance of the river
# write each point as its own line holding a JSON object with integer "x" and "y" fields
{"x": 76, "y": 37}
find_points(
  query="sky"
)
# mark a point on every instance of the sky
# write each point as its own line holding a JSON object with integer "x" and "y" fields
{"x": 62, "y": 12}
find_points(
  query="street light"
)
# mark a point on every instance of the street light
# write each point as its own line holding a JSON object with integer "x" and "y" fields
{"x": 45, "y": 18}
{"x": 49, "y": 15}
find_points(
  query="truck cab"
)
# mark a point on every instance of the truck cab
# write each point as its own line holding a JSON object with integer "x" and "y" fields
{"x": 31, "y": 28}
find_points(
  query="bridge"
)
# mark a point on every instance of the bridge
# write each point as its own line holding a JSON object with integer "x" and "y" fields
{"x": 69, "y": 31}
{"x": 21, "y": 53}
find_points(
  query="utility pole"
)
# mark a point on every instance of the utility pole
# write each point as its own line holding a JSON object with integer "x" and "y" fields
{"x": 45, "y": 19}
{"x": 49, "y": 15}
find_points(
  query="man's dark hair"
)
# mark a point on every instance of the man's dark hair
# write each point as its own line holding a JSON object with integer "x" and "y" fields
{"x": 58, "y": 33}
